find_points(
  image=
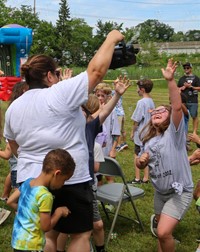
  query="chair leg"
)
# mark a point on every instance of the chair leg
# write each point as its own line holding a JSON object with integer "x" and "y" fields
{"x": 105, "y": 211}
{"x": 137, "y": 214}
{"x": 115, "y": 216}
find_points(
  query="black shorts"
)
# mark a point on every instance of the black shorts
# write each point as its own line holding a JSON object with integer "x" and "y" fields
{"x": 137, "y": 149}
{"x": 78, "y": 198}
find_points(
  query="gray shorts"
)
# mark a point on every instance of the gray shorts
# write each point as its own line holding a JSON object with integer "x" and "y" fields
{"x": 172, "y": 204}
{"x": 96, "y": 213}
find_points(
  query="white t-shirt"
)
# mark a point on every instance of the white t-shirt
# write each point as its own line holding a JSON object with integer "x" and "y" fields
{"x": 49, "y": 118}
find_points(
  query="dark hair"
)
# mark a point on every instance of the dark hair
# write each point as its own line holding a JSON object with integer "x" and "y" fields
{"x": 18, "y": 89}
{"x": 58, "y": 159}
{"x": 146, "y": 84}
{"x": 36, "y": 68}
{"x": 150, "y": 131}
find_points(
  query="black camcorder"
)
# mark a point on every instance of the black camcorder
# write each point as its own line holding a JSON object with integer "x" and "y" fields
{"x": 124, "y": 55}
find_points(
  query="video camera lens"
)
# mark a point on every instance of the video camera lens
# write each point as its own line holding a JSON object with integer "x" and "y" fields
{"x": 124, "y": 55}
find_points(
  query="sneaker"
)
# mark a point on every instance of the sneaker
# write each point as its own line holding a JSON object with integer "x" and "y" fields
{"x": 3, "y": 199}
{"x": 123, "y": 146}
{"x": 4, "y": 215}
{"x": 153, "y": 226}
{"x": 118, "y": 148}
{"x": 145, "y": 182}
{"x": 134, "y": 181}
{"x": 109, "y": 207}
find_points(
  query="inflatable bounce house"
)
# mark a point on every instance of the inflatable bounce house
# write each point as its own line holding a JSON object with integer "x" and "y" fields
{"x": 15, "y": 44}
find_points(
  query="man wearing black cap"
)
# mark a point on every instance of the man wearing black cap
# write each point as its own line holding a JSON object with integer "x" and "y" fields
{"x": 189, "y": 85}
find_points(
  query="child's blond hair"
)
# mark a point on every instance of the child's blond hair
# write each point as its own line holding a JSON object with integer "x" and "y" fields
{"x": 104, "y": 88}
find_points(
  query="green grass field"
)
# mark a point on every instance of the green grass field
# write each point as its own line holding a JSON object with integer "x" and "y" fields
{"x": 129, "y": 237}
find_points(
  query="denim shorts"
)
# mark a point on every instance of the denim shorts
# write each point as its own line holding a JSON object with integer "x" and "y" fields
{"x": 193, "y": 108}
{"x": 14, "y": 179}
{"x": 172, "y": 204}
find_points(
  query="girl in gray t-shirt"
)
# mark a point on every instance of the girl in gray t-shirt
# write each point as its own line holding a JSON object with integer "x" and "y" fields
{"x": 165, "y": 154}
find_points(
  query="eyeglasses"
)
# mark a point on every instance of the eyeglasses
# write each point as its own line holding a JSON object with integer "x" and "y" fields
{"x": 157, "y": 111}
{"x": 186, "y": 68}
{"x": 57, "y": 73}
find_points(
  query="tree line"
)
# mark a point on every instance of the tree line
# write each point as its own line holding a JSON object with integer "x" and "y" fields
{"x": 71, "y": 41}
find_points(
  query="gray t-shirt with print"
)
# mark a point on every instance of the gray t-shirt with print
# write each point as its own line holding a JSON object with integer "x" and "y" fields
{"x": 169, "y": 167}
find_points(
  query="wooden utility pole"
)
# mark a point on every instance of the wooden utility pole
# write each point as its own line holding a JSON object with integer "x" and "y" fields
{"x": 34, "y": 7}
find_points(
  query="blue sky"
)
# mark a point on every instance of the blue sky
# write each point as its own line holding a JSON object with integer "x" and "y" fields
{"x": 182, "y": 15}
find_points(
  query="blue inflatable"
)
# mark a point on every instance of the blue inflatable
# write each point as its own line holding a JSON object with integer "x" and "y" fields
{"x": 15, "y": 44}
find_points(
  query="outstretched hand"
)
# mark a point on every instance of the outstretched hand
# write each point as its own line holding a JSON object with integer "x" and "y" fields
{"x": 168, "y": 72}
{"x": 121, "y": 85}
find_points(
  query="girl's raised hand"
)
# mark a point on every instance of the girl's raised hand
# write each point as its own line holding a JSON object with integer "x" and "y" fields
{"x": 168, "y": 72}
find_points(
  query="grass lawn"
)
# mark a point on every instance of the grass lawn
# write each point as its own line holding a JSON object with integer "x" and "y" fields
{"x": 129, "y": 236}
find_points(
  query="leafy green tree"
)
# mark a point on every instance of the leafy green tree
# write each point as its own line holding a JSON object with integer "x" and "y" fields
{"x": 177, "y": 37}
{"x": 24, "y": 16}
{"x": 5, "y": 13}
{"x": 103, "y": 29}
{"x": 131, "y": 35}
{"x": 147, "y": 54}
{"x": 44, "y": 39}
{"x": 63, "y": 31}
{"x": 153, "y": 30}
{"x": 192, "y": 35}
{"x": 81, "y": 49}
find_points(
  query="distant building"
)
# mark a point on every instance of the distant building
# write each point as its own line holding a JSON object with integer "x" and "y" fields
{"x": 176, "y": 47}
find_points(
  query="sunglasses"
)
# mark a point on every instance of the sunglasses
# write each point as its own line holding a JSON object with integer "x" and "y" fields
{"x": 57, "y": 73}
{"x": 186, "y": 68}
{"x": 157, "y": 111}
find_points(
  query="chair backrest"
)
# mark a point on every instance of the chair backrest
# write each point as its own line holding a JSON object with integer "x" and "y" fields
{"x": 111, "y": 168}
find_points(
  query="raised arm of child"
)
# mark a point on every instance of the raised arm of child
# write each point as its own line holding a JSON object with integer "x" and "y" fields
{"x": 174, "y": 94}
{"x": 121, "y": 85}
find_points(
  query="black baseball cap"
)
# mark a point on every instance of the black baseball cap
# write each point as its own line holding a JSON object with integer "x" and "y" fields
{"x": 187, "y": 64}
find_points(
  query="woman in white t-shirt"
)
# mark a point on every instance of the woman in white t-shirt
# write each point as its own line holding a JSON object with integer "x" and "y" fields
{"x": 49, "y": 116}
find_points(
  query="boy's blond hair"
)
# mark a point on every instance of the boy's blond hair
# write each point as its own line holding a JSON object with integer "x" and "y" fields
{"x": 104, "y": 88}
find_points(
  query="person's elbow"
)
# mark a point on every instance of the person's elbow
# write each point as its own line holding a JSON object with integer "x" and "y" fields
{"x": 45, "y": 227}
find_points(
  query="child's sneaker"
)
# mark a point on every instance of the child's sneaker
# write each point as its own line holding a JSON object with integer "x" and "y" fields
{"x": 4, "y": 199}
{"x": 123, "y": 146}
{"x": 109, "y": 207}
{"x": 134, "y": 181}
{"x": 154, "y": 225}
{"x": 4, "y": 215}
{"x": 118, "y": 148}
